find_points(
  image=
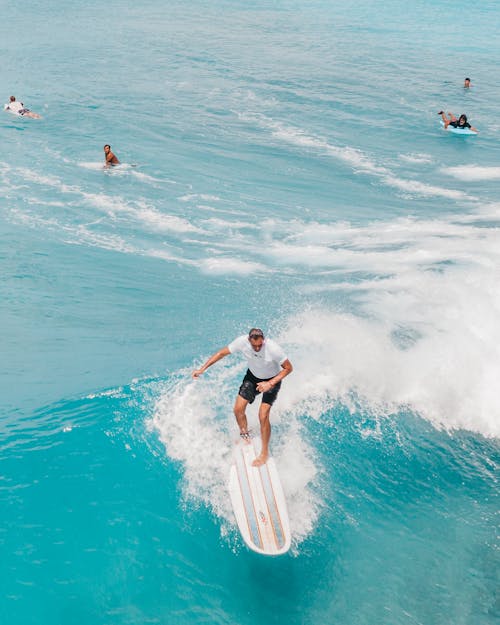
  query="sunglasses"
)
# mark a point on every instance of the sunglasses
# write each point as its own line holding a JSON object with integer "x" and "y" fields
{"x": 256, "y": 336}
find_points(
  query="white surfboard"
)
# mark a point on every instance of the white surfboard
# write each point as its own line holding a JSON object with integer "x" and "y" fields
{"x": 459, "y": 131}
{"x": 258, "y": 502}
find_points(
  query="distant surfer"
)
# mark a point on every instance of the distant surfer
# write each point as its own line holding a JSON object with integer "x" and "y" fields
{"x": 461, "y": 122}
{"x": 467, "y": 83}
{"x": 18, "y": 108}
{"x": 109, "y": 158}
{"x": 267, "y": 366}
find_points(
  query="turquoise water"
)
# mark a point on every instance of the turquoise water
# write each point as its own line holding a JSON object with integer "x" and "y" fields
{"x": 283, "y": 166}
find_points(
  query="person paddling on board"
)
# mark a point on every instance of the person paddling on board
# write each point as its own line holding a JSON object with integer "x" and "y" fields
{"x": 19, "y": 109}
{"x": 267, "y": 366}
{"x": 109, "y": 157}
{"x": 461, "y": 122}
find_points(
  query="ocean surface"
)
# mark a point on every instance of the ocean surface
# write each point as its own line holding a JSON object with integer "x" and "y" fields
{"x": 283, "y": 166}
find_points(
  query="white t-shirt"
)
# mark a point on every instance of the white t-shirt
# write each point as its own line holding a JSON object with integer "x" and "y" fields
{"x": 15, "y": 106}
{"x": 263, "y": 364}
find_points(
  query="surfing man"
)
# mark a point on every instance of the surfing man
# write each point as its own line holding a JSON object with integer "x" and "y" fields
{"x": 18, "y": 108}
{"x": 109, "y": 158}
{"x": 461, "y": 122}
{"x": 267, "y": 366}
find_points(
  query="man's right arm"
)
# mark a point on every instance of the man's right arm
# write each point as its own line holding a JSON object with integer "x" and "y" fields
{"x": 211, "y": 361}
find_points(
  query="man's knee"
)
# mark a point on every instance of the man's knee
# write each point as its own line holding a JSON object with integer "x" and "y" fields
{"x": 239, "y": 406}
{"x": 238, "y": 412}
{"x": 264, "y": 413}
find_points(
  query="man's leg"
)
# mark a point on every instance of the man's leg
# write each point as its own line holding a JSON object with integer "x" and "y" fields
{"x": 239, "y": 412}
{"x": 448, "y": 121}
{"x": 265, "y": 434}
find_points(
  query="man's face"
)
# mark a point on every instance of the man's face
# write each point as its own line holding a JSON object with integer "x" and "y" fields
{"x": 256, "y": 343}
{"x": 106, "y": 148}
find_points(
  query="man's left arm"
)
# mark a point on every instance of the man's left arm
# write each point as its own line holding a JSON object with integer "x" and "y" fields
{"x": 286, "y": 369}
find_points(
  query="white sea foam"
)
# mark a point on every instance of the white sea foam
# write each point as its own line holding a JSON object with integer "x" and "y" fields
{"x": 428, "y": 342}
{"x": 196, "y": 425}
{"x": 415, "y": 187}
{"x": 224, "y": 265}
{"x": 83, "y": 236}
{"x": 163, "y": 222}
{"x": 225, "y": 225}
{"x": 400, "y": 246}
{"x": 140, "y": 210}
{"x": 164, "y": 254}
{"x": 41, "y": 179}
{"x": 416, "y": 158}
{"x": 113, "y": 205}
{"x": 189, "y": 197}
{"x": 473, "y": 173}
{"x": 140, "y": 175}
{"x": 352, "y": 156}
{"x": 92, "y": 165}
{"x": 124, "y": 169}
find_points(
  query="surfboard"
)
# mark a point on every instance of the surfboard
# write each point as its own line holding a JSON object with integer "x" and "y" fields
{"x": 258, "y": 502}
{"x": 22, "y": 116}
{"x": 15, "y": 113}
{"x": 459, "y": 131}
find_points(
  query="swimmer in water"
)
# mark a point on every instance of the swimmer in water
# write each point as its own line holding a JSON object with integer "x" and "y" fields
{"x": 110, "y": 159}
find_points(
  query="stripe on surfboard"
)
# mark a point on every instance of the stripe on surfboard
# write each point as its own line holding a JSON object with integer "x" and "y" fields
{"x": 272, "y": 506}
{"x": 248, "y": 501}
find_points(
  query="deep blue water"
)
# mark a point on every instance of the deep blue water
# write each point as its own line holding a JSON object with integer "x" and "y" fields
{"x": 283, "y": 166}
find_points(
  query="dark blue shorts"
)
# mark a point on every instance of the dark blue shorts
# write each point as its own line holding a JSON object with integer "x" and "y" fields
{"x": 248, "y": 389}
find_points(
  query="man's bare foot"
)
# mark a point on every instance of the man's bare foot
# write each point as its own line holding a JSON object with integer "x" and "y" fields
{"x": 260, "y": 460}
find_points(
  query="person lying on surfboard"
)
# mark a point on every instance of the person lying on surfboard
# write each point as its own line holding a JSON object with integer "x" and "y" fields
{"x": 267, "y": 366}
{"x": 461, "y": 122}
{"x": 14, "y": 106}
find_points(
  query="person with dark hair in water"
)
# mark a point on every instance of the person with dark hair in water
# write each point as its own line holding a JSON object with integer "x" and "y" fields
{"x": 452, "y": 121}
{"x": 467, "y": 83}
{"x": 109, "y": 157}
{"x": 18, "y": 108}
{"x": 267, "y": 366}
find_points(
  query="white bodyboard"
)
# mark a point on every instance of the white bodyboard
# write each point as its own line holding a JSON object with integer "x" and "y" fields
{"x": 259, "y": 502}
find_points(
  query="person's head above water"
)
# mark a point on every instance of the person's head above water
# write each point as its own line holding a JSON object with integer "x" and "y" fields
{"x": 107, "y": 147}
{"x": 467, "y": 82}
{"x": 12, "y": 98}
{"x": 462, "y": 119}
{"x": 256, "y": 338}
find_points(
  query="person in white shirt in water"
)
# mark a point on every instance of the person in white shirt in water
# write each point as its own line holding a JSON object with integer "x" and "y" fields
{"x": 19, "y": 109}
{"x": 267, "y": 366}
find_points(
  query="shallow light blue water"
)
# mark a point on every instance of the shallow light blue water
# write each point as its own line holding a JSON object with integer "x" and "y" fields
{"x": 283, "y": 166}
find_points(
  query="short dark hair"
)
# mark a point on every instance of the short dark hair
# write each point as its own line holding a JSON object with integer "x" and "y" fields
{"x": 255, "y": 332}
{"x": 468, "y": 79}
{"x": 107, "y": 146}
